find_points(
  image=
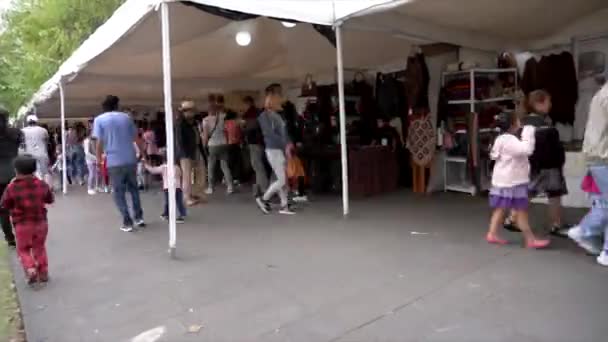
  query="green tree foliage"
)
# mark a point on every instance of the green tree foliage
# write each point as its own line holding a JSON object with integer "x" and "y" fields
{"x": 37, "y": 36}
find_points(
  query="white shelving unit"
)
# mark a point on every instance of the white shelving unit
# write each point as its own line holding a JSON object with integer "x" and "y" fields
{"x": 459, "y": 164}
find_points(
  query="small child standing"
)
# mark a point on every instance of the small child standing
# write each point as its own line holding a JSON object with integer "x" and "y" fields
{"x": 26, "y": 198}
{"x": 179, "y": 195}
{"x": 510, "y": 179}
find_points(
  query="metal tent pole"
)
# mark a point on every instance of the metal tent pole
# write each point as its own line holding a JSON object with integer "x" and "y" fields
{"x": 64, "y": 164}
{"x": 168, "y": 93}
{"x": 344, "y": 150}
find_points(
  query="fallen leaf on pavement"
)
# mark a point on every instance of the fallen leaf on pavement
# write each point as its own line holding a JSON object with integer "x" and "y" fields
{"x": 195, "y": 328}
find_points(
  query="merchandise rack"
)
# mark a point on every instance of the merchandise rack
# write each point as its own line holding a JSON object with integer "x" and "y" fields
{"x": 464, "y": 185}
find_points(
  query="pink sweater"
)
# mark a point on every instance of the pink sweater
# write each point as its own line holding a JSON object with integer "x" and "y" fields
{"x": 162, "y": 170}
{"x": 511, "y": 155}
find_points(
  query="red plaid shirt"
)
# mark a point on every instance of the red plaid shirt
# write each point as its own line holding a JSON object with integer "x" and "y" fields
{"x": 26, "y": 199}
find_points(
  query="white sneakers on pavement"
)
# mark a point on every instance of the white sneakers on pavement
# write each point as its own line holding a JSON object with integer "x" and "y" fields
{"x": 576, "y": 234}
{"x": 603, "y": 258}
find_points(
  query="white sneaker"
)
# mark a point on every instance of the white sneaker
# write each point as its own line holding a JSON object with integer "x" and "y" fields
{"x": 230, "y": 190}
{"x": 263, "y": 205}
{"x": 92, "y": 192}
{"x": 603, "y": 258}
{"x": 140, "y": 223}
{"x": 209, "y": 191}
{"x": 300, "y": 199}
{"x": 576, "y": 234}
{"x": 126, "y": 229}
{"x": 286, "y": 211}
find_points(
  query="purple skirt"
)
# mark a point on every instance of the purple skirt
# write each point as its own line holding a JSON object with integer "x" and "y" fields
{"x": 515, "y": 197}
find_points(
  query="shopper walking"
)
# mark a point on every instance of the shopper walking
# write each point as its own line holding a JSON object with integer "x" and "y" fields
{"x": 36, "y": 142}
{"x": 26, "y": 198}
{"x": 255, "y": 142}
{"x": 10, "y": 140}
{"x": 214, "y": 137}
{"x": 115, "y": 133}
{"x": 595, "y": 149}
{"x": 510, "y": 180}
{"x": 546, "y": 162}
{"x": 76, "y": 154}
{"x": 276, "y": 142}
{"x": 234, "y": 139}
{"x": 191, "y": 159}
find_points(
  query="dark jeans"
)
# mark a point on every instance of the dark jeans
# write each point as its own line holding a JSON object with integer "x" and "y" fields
{"x": 5, "y": 220}
{"x": 179, "y": 202}
{"x": 124, "y": 179}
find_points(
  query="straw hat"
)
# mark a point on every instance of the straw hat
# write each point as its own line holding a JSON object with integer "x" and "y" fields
{"x": 187, "y": 105}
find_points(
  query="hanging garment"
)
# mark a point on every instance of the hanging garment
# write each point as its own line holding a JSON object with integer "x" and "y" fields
{"x": 422, "y": 140}
{"x": 417, "y": 80}
{"x": 559, "y": 79}
{"x": 365, "y": 92}
{"x": 530, "y": 81}
{"x": 387, "y": 95}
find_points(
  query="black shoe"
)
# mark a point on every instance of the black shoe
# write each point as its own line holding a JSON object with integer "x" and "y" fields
{"x": 510, "y": 226}
{"x": 180, "y": 220}
{"x": 11, "y": 244}
{"x": 560, "y": 231}
{"x": 263, "y": 205}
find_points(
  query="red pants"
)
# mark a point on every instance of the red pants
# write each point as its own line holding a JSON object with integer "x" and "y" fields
{"x": 31, "y": 240}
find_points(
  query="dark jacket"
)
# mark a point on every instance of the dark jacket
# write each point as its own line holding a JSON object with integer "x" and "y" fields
{"x": 548, "y": 152}
{"x": 188, "y": 138}
{"x": 10, "y": 140}
{"x": 387, "y": 95}
{"x": 557, "y": 75}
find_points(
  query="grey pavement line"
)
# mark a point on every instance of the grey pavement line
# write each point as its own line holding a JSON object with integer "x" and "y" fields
{"x": 417, "y": 299}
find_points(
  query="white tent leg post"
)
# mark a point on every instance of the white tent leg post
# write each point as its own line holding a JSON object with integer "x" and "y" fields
{"x": 64, "y": 163}
{"x": 344, "y": 148}
{"x": 168, "y": 93}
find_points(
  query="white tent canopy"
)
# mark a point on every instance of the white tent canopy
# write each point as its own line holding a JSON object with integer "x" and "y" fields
{"x": 205, "y": 56}
{"x": 123, "y": 56}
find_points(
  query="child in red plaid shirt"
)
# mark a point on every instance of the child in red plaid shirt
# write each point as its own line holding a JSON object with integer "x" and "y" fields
{"x": 26, "y": 198}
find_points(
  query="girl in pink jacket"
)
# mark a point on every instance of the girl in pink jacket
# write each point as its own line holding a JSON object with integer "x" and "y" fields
{"x": 510, "y": 179}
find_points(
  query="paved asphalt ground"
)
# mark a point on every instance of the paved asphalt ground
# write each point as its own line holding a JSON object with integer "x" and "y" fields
{"x": 401, "y": 268}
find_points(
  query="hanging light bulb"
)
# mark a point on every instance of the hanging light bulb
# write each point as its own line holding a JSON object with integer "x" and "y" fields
{"x": 243, "y": 38}
{"x": 288, "y": 24}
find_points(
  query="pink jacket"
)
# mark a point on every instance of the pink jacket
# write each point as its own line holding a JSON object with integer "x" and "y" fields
{"x": 162, "y": 170}
{"x": 511, "y": 154}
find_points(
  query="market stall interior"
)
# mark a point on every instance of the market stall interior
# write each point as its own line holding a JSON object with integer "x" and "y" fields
{"x": 374, "y": 67}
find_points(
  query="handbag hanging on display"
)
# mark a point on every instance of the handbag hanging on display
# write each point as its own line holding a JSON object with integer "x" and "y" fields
{"x": 309, "y": 88}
